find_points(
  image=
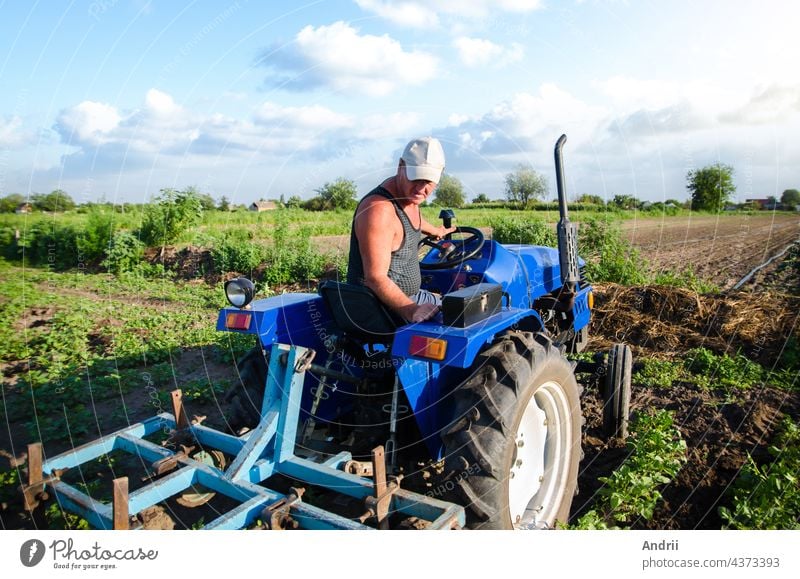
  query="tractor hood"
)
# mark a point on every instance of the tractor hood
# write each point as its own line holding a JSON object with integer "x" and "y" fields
{"x": 536, "y": 271}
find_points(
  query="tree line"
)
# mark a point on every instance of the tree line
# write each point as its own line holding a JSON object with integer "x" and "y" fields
{"x": 711, "y": 189}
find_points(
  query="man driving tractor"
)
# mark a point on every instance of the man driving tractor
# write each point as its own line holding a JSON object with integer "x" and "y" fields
{"x": 387, "y": 228}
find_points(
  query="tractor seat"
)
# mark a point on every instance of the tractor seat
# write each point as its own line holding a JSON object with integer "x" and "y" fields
{"x": 359, "y": 313}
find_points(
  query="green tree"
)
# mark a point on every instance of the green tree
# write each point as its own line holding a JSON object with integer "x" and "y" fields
{"x": 224, "y": 204}
{"x": 482, "y": 198}
{"x": 711, "y": 187}
{"x": 790, "y": 197}
{"x": 625, "y": 202}
{"x": 525, "y": 185}
{"x": 449, "y": 192}
{"x": 206, "y": 201}
{"x": 341, "y": 194}
{"x": 169, "y": 216}
{"x": 9, "y": 203}
{"x": 54, "y": 201}
{"x": 294, "y": 202}
{"x": 594, "y": 199}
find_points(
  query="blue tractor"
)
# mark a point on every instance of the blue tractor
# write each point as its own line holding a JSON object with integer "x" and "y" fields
{"x": 477, "y": 411}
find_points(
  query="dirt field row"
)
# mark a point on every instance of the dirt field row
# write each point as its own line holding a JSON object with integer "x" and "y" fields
{"x": 720, "y": 249}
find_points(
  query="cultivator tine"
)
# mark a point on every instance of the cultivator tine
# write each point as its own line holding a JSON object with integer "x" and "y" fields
{"x": 378, "y": 506}
{"x": 120, "y": 505}
{"x": 181, "y": 421}
{"x": 35, "y": 487}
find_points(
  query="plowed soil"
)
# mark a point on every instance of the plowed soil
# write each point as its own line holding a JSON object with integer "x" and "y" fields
{"x": 720, "y": 249}
{"x": 720, "y": 430}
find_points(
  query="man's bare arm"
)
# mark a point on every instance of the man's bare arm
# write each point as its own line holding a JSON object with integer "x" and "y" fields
{"x": 373, "y": 225}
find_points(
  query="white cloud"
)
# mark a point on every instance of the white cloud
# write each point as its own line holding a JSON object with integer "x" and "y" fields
{"x": 12, "y": 132}
{"x": 522, "y": 128}
{"x": 160, "y": 103}
{"x": 107, "y": 138}
{"x": 413, "y": 14}
{"x": 315, "y": 117}
{"x": 480, "y": 52}
{"x": 427, "y": 14}
{"x": 768, "y": 105}
{"x": 88, "y": 122}
{"x": 339, "y": 58}
{"x": 380, "y": 127}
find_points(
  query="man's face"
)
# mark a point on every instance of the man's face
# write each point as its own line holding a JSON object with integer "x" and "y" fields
{"x": 414, "y": 191}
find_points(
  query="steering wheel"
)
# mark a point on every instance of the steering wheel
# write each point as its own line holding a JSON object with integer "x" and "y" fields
{"x": 453, "y": 251}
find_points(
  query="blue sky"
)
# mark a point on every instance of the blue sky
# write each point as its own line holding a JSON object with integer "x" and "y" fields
{"x": 117, "y": 99}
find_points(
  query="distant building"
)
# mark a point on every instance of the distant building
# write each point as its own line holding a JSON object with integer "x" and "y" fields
{"x": 23, "y": 208}
{"x": 769, "y": 204}
{"x": 259, "y": 206}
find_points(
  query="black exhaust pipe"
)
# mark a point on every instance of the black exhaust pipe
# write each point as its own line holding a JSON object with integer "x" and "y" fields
{"x": 567, "y": 232}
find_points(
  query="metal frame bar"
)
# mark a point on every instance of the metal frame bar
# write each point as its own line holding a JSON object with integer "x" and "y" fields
{"x": 267, "y": 450}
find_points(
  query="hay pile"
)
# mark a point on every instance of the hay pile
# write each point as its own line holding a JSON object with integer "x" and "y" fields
{"x": 666, "y": 322}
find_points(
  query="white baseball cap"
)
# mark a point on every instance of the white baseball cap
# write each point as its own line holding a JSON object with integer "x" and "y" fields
{"x": 424, "y": 159}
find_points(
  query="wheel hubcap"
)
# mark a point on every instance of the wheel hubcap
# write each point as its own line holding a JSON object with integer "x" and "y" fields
{"x": 539, "y": 470}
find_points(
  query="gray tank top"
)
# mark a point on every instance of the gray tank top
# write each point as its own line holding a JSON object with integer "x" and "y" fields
{"x": 404, "y": 266}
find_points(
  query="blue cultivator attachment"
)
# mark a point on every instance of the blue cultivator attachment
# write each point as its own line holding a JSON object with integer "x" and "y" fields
{"x": 265, "y": 451}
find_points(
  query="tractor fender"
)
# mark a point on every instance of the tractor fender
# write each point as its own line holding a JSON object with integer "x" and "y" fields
{"x": 428, "y": 384}
{"x": 463, "y": 344}
{"x": 296, "y": 318}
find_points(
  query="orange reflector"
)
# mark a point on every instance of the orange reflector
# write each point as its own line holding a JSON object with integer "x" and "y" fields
{"x": 425, "y": 347}
{"x": 590, "y": 300}
{"x": 237, "y": 321}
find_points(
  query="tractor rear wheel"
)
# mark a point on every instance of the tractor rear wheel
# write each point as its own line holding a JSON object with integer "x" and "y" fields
{"x": 245, "y": 397}
{"x": 514, "y": 445}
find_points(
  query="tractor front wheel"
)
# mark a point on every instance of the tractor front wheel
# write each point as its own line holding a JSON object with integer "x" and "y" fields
{"x": 245, "y": 397}
{"x": 617, "y": 391}
{"x": 513, "y": 447}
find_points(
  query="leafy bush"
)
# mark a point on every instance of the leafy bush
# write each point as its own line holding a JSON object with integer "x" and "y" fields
{"x": 768, "y": 496}
{"x": 657, "y": 454}
{"x": 609, "y": 257}
{"x": 8, "y": 243}
{"x": 292, "y": 258}
{"x": 124, "y": 253}
{"x": 50, "y": 244}
{"x": 169, "y": 216}
{"x": 93, "y": 239}
{"x": 658, "y": 373}
{"x": 525, "y": 231}
{"x": 234, "y": 252}
{"x": 726, "y": 372}
{"x": 686, "y": 279}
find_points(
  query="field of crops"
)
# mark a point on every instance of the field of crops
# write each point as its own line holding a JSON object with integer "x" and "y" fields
{"x": 716, "y": 396}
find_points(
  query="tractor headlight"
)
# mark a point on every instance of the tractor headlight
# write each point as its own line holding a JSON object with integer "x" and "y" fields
{"x": 240, "y": 291}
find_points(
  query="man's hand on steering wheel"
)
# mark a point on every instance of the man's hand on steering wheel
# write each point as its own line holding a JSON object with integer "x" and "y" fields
{"x": 453, "y": 251}
{"x": 441, "y": 232}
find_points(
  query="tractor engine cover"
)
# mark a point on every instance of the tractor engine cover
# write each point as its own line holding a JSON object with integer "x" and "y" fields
{"x": 471, "y": 304}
